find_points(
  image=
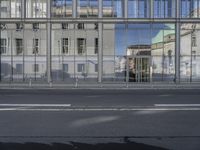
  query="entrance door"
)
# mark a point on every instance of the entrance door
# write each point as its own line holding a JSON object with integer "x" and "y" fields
{"x": 139, "y": 69}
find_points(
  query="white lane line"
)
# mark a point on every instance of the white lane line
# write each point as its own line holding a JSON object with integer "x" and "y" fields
{"x": 177, "y": 105}
{"x": 35, "y": 105}
{"x": 98, "y": 109}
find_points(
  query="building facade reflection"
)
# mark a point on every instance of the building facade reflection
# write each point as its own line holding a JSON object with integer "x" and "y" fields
{"x": 99, "y": 41}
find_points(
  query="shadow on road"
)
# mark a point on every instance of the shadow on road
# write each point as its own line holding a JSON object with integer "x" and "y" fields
{"x": 78, "y": 146}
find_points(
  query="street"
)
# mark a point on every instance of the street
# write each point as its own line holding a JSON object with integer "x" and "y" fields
{"x": 100, "y": 119}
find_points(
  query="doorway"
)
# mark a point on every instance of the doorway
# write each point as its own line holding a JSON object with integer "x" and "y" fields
{"x": 139, "y": 69}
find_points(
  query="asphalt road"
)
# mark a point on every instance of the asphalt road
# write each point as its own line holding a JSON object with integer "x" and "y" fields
{"x": 100, "y": 119}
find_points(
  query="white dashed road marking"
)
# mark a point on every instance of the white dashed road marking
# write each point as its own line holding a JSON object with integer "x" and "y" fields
{"x": 177, "y": 105}
{"x": 36, "y": 105}
{"x": 67, "y": 107}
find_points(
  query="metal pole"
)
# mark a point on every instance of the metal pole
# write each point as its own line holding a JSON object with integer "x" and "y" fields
{"x": 100, "y": 44}
{"x": 177, "y": 50}
{"x": 48, "y": 42}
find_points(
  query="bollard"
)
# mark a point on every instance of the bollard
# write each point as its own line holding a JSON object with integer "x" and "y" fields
{"x": 50, "y": 84}
{"x": 30, "y": 82}
{"x": 76, "y": 83}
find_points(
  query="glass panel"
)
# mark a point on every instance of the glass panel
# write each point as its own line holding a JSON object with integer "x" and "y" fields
{"x": 35, "y": 52}
{"x": 10, "y": 8}
{"x": 85, "y": 55}
{"x": 138, "y": 8}
{"x": 61, "y": 8}
{"x": 5, "y": 49}
{"x": 190, "y": 50}
{"x": 190, "y": 8}
{"x": 113, "y": 8}
{"x": 135, "y": 48}
{"x": 74, "y": 51}
{"x": 164, "y": 8}
{"x": 87, "y": 8}
{"x": 163, "y": 51}
{"x": 36, "y": 8}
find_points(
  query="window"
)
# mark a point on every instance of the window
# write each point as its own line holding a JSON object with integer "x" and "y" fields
{"x": 170, "y": 57}
{"x": 36, "y": 26}
{"x": 65, "y": 68}
{"x": 113, "y": 8}
{"x": 36, "y": 8}
{"x": 96, "y": 45}
{"x": 36, "y": 68}
{"x": 35, "y": 46}
{"x": 19, "y": 68}
{"x": 3, "y": 46}
{"x": 194, "y": 40}
{"x": 96, "y": 26}
{"x": 19, "y": 46}
{"x": 62, "y": 8}
{"x": 80, "y": 26}
{"x": 65, "y": 45}
{"x": 138, "y": 8}
{"x": 164, "y": 8}
{"x": 65, "y": 26}
{"x": 81, "y": 45}
{"x": 194, "y": 55}
{"x": 81, "y": 68}
{"x": 96, "y": 67}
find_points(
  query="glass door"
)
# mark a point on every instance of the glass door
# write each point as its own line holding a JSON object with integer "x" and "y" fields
{"x": 139, "y": 69}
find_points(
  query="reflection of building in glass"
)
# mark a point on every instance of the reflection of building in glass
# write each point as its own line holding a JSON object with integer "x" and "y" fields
{"x": 190, "y": 51}
{"x": 100, "y": 40}
{"x": 74, "y": 52}
{"x": 163, "y": 52}
{"x": 139, "y": 50}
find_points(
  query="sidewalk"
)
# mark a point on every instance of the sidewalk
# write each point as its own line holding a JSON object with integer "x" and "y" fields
{"x": 99, "y": 86}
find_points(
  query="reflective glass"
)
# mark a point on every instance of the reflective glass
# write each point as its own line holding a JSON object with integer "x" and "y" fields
{"x": 61, "y": 8}
{"x": 23, "y": 53}
{"x": 138, "y": 8}
{"x": 113, "y": 8}
{"x": 10, "y": 8}
{"x": 36, "y": 8}
{"x": 87, "y": 8}
{"x": 190, "y": 8}
{"x": 135, "y": 49}
{"x": 79, "y": 55}
{"x": 190, "y": 52}
{"x": 164, "y": 8}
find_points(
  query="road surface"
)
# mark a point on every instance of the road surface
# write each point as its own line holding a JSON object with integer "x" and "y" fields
{"x": 100, "y": 119}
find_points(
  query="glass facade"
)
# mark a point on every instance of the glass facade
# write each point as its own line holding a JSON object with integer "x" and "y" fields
{"x": 99, "y": 41}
